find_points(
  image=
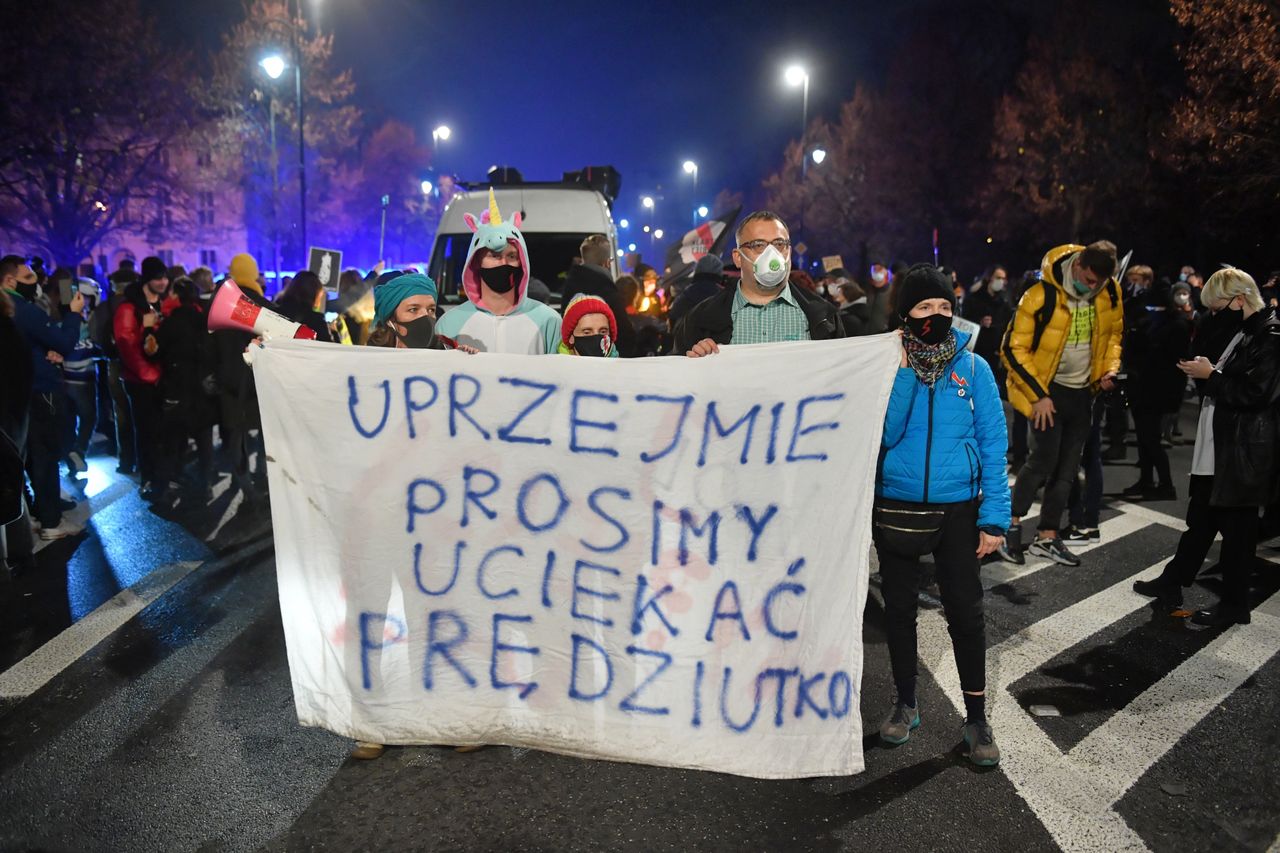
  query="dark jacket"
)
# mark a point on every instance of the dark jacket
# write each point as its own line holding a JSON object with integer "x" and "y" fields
{"x": 238, "y": 396}
{"x": 42, "y": 335}
{"x": 699, "y": 289}
{"x": 307, "y": 316}
{"x": 1160, "y": 338}
{"x": 15, "y": 381}
{"x": 187, "y": 383}
{"x": 983, "y": 303}
{"x": 856, "y": 317}
{"x": 713, "y": 318}
{"x": 879, "y": 308}
{"x": 1212, "y": 332}
{"x": 1246, "y": 424}
{"x": 593, "y": 281}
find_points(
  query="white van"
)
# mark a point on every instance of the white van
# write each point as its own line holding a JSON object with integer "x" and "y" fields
{"x": 555, "y": 220}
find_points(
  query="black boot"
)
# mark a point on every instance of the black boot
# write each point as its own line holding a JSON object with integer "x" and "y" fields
{"x": 1166, "y": 591}
{"x": 1223, "y": 616}
{"x": 1138, "y": 490}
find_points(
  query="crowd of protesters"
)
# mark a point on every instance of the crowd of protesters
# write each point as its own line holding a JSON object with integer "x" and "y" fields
{"x": 1054, "y": 360}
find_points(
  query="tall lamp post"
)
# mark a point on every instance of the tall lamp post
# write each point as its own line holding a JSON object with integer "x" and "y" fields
{"x": 274, "y": 66}
{"x": 796, "y": 75}
{"x": 295, "y": 10}
{"x": 691, "y": 168}
{"x": 648, "y": 204}
{"x": 441, "y": 133}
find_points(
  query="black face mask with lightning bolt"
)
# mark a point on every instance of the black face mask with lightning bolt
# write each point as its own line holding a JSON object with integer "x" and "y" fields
{"x": 931, "y": 329}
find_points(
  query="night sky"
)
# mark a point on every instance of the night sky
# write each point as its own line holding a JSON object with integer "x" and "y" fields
{"x": 549, "y": 87}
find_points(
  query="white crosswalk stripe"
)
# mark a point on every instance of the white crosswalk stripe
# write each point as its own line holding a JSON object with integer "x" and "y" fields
{"x": 1074, "y": 794}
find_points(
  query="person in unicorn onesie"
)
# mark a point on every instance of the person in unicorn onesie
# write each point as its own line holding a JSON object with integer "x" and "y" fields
{"x": 497, "y": 317}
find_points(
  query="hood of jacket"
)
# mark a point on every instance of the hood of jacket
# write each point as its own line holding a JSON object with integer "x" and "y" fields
{"x": 493, "y": 233}
{"x": 1052, "y": 262}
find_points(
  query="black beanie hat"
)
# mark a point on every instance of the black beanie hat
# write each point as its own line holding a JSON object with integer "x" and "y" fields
{"x": 921, "y": 282}
{"x": 152, "y": 269}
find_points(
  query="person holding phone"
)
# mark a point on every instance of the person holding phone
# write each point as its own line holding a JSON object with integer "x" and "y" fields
{"x": 136, "y": 322}
{"x": 49, "y": 342}
{"x": 1235, "y": 467}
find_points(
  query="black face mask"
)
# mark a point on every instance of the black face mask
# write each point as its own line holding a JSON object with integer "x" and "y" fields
{"x": 592, "y": 345}
{"x": 419, "y": 333}
{"x": 27, "y": 291}
{"x": 932, "y": 329}
{"x": 501, "y": 279}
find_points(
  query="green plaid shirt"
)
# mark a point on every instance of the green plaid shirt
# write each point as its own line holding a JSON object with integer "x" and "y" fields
{"x": 781, "y": 319}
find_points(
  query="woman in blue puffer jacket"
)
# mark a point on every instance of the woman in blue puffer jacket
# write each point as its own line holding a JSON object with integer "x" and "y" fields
{"x": 941, "y": 489}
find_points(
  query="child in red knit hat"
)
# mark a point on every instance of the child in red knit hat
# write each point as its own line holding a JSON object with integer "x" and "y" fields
{"x": 589, "y": 328}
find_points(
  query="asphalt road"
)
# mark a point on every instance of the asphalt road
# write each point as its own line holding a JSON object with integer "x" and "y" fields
{"x": 147, "y": 706}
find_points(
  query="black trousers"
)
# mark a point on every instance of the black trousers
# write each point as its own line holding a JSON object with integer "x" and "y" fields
{"x": 1239, "y": 528}
{"x": 1117, "y": 418}
{"x": 957, "y": 567}
{"x": 1018, "y": 439}
{"x": 44, "y": 449}
{"x": 1152, "y": 457}
{"x": 146, "y": 413}
{"x": 125, "y": 443}
{"x": 1055, "y": 456}
{"x": 1086, "y": 500}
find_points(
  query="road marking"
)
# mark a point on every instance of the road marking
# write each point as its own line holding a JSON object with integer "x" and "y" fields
{"x": 36, "y": 669}
{"x": 1037, "y": 644}
{"x": 1134, "y": 738}
{"x": 1154, "y": 515}
{"x": 85, "y": 508}
{"x": 1110, "y": 530}
{"x": 229, "y": 513}
{"x": 1074, "y": 794}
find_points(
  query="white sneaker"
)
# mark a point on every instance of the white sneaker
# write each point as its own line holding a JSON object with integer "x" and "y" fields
{"x": 62, "y": 531}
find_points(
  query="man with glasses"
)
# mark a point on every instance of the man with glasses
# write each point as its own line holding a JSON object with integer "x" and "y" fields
{"x": 763, "y": 308}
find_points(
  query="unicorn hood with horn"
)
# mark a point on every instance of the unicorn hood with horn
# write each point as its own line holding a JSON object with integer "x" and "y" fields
{"x": 529, "y": 326}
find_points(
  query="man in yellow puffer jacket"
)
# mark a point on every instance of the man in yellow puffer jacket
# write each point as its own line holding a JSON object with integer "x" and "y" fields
{"x": 1062, "y": 347}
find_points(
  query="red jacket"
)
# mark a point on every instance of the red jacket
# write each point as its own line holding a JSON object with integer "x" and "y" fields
{"x": 135, "y": 366}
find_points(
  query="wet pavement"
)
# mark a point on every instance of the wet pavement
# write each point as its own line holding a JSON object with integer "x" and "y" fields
{"x": 172, "y": 727}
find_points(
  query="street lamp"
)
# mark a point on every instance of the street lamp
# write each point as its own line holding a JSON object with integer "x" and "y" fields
{"x": 622, "y": 223}
{"x": 657, "y": 234}
{"x": 691, "y": 168}
{"x": 274, "y": 65}
{"x": 426, "y": 187}
{"x": 796, "y": 75}
{"x": 702, "y": 211}
{"x": 819, "y": 154}
{"x": 439, "y": 134}
{"x": 647, "y": 201}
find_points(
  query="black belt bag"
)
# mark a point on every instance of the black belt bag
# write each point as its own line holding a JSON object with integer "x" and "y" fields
{"x": 907, "y": 529}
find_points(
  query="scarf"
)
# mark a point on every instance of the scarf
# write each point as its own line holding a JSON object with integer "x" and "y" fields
{"x": 928, "y": 361}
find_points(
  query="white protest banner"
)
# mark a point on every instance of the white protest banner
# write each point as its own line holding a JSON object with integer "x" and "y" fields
{"x": 661, "y": 560}
{"x": 971, "y": 328}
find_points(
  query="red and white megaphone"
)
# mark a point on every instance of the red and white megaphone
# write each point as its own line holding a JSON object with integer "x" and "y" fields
{"x": 231, "y": 309}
